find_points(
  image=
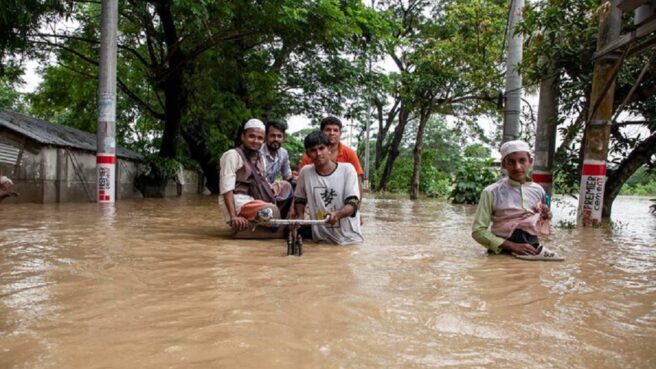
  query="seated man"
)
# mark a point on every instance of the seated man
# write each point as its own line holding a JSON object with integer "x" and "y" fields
{"x": 243, "y": 187}
{"x": 5, "y": 188}
{"x": 514, "y": 209}
{"x": 330, "y": 189}
{"x": 276, "y": 158}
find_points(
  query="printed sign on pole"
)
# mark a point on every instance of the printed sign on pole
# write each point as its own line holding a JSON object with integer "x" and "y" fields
{"x": 106, "y": 166}
{"x": 591, "y": 199}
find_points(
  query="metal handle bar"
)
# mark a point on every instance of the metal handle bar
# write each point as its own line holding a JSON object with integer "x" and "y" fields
{"x": 294, "y": 221}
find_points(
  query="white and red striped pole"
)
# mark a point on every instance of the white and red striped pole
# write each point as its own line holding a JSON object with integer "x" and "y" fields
{"x": 544, "y": 179}
{"x": 106, "y": 144}
{"x": 545, "y": 134}
{"x": 591, "y": 198}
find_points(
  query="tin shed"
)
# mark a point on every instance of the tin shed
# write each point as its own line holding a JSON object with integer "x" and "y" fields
{"x": 54, "y": 163}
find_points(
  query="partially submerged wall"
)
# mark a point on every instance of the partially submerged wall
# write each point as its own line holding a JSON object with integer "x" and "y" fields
{"x": 46, "y": 174}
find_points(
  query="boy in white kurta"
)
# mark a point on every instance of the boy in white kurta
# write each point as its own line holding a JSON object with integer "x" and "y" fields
{"x": 512, "y": 213}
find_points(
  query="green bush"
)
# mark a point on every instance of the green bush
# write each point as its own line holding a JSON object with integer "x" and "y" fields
{"x": 432, "y": 181}
{"x": 439, "y": 188}
{"x": 639, "y": 189}
{"x": 471, "y": 179}
{"x": 401, "y": 176}
{"x": 161, "y": 167}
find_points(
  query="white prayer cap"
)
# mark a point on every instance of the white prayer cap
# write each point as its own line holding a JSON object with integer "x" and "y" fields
{"x": 254, "y": 123}
{"x": 5, "y": 180}
{"x": 514, "y": 146}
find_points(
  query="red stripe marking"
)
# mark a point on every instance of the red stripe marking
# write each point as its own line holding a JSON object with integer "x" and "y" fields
{"x": 105, "y": 159}
{"x": 542, "y": 178}
{"x": 594, "y": 169}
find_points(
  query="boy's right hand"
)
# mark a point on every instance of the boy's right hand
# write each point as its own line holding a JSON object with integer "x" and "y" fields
{"x": 519, "y": 248}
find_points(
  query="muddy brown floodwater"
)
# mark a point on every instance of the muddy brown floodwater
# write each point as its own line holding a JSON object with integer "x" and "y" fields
{"x": 158, "y": 284}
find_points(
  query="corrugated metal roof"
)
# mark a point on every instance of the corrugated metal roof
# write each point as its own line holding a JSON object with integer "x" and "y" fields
{"x": 56, "y": 134}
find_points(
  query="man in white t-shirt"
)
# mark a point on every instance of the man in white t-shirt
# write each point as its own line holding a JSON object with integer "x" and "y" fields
{"x": 329, "y": 189}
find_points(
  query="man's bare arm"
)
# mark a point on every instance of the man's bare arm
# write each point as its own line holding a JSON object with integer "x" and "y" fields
{"x": 236, "y": 222}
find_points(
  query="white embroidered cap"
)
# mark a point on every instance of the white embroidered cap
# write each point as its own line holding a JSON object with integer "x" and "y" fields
{"x": 5, "y": 180}
{"x": 254, "y": 123}
{"x": 514, "y": 146}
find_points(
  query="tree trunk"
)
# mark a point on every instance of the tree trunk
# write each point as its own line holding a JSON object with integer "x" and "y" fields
{"x": 379, "y": 138}
{"x": 174, "y": 104}
{"x": 384, "y": 124}
{"x": 393, "y": 151}
{"x": 416, "y": 168}
{"x": 172, "y": 83}
{"x": 639, "y": 156}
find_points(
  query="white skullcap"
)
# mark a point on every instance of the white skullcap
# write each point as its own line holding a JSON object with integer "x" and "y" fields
{"x": 514, "y": 146}
{"x": 254, "y": 123}
{"x": 5, "y": 180}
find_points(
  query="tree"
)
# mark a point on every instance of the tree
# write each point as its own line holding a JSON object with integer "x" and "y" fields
{"x": 469, "y": 33}
{"x": 203, "y": 68}
{"x": 447, "y": 55}
{"x": 17, "y": 19}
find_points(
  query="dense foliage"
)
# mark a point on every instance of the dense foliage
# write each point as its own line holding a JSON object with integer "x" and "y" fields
{"x": 190, "y": 72}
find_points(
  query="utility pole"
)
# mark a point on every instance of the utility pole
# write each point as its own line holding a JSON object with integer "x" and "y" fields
{"x": 106, "y": 145}
{"x": 545, "y": 133}
{"x": 365, "y": 185}
{"x": 597, "y": 131}
{"x": 513, "y": 93}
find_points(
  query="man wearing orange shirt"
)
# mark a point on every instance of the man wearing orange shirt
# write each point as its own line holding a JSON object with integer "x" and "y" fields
{"x": 332, "y": 127}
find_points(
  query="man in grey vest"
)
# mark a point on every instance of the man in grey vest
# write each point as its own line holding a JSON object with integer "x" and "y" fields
{"x": 243, "y": 187}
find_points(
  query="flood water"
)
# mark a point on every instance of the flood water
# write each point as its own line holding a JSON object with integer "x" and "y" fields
{"x": 157, "y": 283}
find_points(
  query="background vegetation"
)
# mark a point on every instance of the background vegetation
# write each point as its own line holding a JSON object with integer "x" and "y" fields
{"x": 427, "y": 74}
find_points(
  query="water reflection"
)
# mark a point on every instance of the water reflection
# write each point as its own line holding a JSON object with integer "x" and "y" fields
{"x": 157, "y": 283}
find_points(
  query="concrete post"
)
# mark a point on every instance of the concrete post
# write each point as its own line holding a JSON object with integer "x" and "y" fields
{"x": 545, "y": 133}
{"x": 106, "y": 154}
{"x": 593, "y": 174}
{"x": 513, "y": 93}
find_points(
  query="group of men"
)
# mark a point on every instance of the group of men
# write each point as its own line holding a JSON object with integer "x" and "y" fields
{"x": 328, "y": 182}
{"x": 511, "y": 214}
